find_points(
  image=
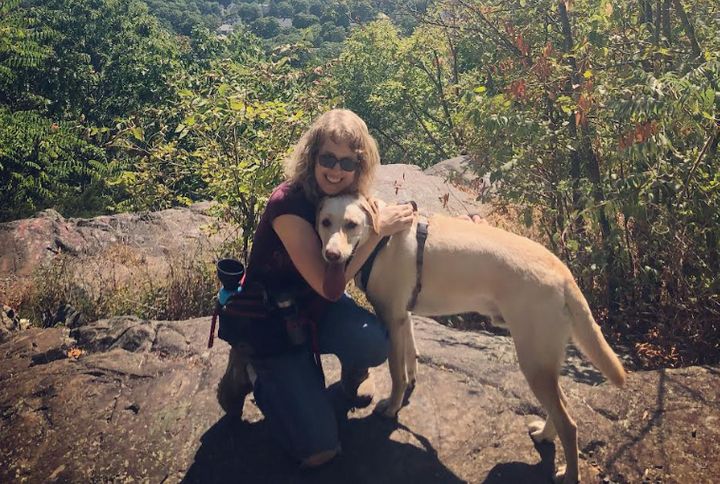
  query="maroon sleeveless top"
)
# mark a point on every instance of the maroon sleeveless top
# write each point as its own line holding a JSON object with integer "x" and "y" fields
{"x": 269, "y": 261}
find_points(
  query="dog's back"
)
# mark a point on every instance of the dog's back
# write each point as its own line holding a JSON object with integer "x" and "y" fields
{"x": 477, "y": 267}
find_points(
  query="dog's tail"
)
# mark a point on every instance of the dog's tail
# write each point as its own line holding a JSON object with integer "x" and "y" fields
{"x": 588, "y": 336}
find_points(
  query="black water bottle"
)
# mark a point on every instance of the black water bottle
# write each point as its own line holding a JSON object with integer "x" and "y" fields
{"x": 229, "y": 271}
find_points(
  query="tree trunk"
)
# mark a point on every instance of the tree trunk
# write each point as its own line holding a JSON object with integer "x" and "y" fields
{"x": 574, "y": 80}
{"x": 584, "y": 150}
{"x": 666, "y": 28}
{"x": 646, "y": 15}
{"x": 688, "y": 27}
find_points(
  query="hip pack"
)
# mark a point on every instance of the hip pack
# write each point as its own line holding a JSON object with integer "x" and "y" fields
{"x": 253, "y": 318}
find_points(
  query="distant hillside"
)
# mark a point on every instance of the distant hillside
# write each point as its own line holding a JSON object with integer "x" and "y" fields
{"x": 320, "y": 22}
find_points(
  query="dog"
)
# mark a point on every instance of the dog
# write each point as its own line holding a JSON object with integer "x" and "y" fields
{"x": 470, "y": 267}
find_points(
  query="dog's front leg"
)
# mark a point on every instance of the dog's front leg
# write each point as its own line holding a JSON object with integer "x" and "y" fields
{"x": 411, "y": 354}
{"x": 389, "y": 407}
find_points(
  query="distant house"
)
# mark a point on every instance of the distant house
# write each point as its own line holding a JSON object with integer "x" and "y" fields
{"x": 285, "y": 22}
{"x": 225, "y": 29}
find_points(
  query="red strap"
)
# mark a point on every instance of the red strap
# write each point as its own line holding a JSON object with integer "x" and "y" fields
{"x": 315, "y": 343}
{"x": 212, "y": 327}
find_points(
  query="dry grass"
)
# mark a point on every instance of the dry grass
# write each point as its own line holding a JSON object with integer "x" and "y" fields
{"x": 118, "y": 281}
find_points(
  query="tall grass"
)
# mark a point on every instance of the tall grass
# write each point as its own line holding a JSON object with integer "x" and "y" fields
{"x": 118, "y": 282}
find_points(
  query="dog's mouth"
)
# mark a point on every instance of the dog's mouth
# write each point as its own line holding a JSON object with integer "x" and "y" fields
{"x": 337, "y": 256}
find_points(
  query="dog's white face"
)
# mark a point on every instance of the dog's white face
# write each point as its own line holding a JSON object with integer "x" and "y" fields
{"x": 343, "y": 223}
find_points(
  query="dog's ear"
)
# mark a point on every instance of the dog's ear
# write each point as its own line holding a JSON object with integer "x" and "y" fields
{"x": 371, "y": 208}
{"x": 318, "y": 209}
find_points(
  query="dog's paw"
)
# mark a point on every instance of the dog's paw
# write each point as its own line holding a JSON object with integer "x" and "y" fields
{"x": 386, "y": 409}
{"x": 539, "y": 433}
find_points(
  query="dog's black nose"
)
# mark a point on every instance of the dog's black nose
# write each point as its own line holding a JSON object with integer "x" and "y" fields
{"x": 332, "y": 255}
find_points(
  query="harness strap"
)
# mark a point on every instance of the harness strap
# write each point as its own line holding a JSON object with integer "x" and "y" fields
{"x": 211, "y": 339}
{"x": 421, "y": 235}
{"x": 366, "y": 269}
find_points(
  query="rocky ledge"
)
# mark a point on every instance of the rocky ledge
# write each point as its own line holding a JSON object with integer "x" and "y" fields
{"x": 124, "y": 399}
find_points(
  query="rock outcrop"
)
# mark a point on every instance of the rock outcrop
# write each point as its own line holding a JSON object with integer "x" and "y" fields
{"x": 123, "y": 399}
{"x": 28, "y": 243}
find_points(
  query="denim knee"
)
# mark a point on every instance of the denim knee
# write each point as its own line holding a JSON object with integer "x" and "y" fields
{"x": 377, "y": 350}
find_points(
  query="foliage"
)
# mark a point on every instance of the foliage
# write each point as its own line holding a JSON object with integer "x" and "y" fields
{"x": 45, "y": 163}
{"x": 223, "y": 138}
{"x": 401, "y": 88}
{"x": 606, "y": 125}
{"x": 302, "y": 20}
{"x": 249, "y": 12}
{"x": 21, "y": 50}
{"x": 68, "y": 69}
{"x": 266, "y": 27}
{"x": 183, "y": 16}
{"x": 112, "y": 65}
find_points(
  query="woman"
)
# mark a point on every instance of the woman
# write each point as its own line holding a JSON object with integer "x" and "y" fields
{"x": 337, "y": 155}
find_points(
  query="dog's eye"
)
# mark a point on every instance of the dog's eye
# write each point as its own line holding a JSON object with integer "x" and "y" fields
{"x": 350, "y": 225}
{"x": 326, "y": 223}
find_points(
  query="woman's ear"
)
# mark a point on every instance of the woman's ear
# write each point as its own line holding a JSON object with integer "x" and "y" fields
{"x": 370, "y": 206}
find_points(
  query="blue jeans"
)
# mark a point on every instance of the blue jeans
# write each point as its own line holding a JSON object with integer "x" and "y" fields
{"x": 289, "y": 388}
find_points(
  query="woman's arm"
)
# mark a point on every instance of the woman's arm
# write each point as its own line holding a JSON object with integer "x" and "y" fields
{"x": 303, "y": 245}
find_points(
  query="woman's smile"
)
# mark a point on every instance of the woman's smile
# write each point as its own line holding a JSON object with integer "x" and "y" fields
{"x": 330, "y": 176}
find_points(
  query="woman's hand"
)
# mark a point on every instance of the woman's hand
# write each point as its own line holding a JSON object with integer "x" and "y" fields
{"x": 394, "y": 219}
{"x": 478, "y": 219}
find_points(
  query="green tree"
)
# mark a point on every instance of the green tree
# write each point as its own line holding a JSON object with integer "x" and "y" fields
{"x": 281, "y": 10}
{"x": 317, "y": 9}
{"x": 182, "y": 16}
{"x": 46, "y": 163}
{"x": 332, "y": 33}
{"x": 362, "y": 12}
{"x": 405, "y": 89}
{"x": 341, "y": 14}
{"x": 300, "y": 6}
{"x": 21, "y": 53}
{"x": 68, "y": 69}
{"x": 249, "y": 11}
{"x": 302, "y": 20}
{"x": 266, "y": 27}
{"x": 109, "y": 58}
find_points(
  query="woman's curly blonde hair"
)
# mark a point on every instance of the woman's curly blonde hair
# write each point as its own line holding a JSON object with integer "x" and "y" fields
{"x": 341, "y": 126}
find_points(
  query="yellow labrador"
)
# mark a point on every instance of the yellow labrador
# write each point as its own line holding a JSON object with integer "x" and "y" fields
{"x": 476, "y": 267}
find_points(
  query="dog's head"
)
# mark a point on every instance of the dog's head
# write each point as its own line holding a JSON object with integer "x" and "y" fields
{"x": 343, "y": 223}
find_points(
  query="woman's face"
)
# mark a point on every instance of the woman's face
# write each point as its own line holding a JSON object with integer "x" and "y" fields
{"x": 335, "y": 179}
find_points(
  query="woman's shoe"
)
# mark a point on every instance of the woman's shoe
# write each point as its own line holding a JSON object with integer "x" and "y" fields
{"x": 358, "y": 387}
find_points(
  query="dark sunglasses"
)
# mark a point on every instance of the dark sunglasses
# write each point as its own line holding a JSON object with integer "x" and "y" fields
{"x": 329, "y": 161}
